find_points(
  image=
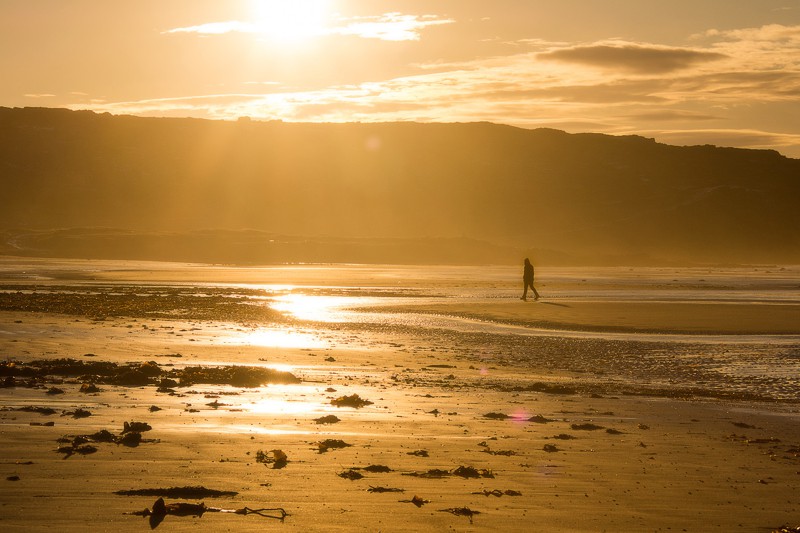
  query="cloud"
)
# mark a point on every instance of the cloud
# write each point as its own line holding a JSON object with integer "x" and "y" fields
{"x": 39, "y": 95}
{"x": 615, "y": 87}
{"x": 207, "y": 106}
{"x": 491, "y": 88}
{"x": 386, "y": 27}
{"x": 390, "y": 26}
{"x": 768, "y": 33}
{"x": 739, "y": 138}
{"x": 630, "y": 57}
{"x": 217, "y": 28}
{"x": 666, "y": 115}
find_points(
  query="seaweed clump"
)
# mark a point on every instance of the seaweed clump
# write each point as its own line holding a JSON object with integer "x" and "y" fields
{"x": 235, "y": 375}
{"x": 354, "y": 400}
{"x": 138, "y": 374}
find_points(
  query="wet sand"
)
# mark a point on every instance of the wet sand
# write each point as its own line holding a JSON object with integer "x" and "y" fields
{"x": 710, "y": 318}
{"x": 578, "y": 437}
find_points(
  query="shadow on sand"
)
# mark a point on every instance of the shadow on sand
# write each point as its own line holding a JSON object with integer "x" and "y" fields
{"x": 554, "y": 303}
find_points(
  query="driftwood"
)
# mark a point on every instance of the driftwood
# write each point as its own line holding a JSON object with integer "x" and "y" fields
{"x": 461, "y": 511}
{"x": 416, "y": 500}
{"x": 499, "y": 493}
{"x": 192, "y": 493}
{"x": 381, "y": 490}
{"x": 161, "y": 509}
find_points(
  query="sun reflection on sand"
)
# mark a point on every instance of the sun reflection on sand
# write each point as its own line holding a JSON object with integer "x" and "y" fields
{"x": 277, "y": 338}
{"x": 281, "y": 367}
{"x": 282, "y": 406}
{"x": 314, "y": 308}
{"x": 285, "y": 400}
{"x": 264, "y": 431}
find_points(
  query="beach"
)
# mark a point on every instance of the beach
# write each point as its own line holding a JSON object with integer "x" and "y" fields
{"x": 659, "y": 399}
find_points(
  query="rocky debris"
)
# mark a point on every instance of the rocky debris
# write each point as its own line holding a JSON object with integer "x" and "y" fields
{"x": 128, "y": 437}
{"x": 351, "y": 474}
{"x": 505, "y": 453}
{"x": 377, "y": 469}
{"x": 331, "y": 444}
{"x": 191, "y": 492}
{"x": 103, "y": 436}
{"x": 419, "y": 453}
{"x": 101, "y": 301}
{"x": 131, "y": 439}
{"x": 136, "y": 374}
{"x": 434, "y": 473}
{"x": 235, "y": 375}
{"x": 277, "y": 458}
{"x": 83, "y": 449}
{"x": 138, "y": 427}
{"x": 462, "y": 471}
{"x": 471, "y": 472}
{"x": 586, "y": 427}
{"x": 498, "y": 493}
{"x": 381, "y": 490}
{"x": 77, "y": 413}
{"x": 41, "y": 410}
{"x": 416, "y": 500}
{"x": 329, "y": 419}
{"x": 354, "y": 400}
{"x": 461, "y": 511}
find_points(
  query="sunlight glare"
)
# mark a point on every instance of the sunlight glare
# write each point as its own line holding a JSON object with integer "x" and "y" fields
{"x": 276, "y": 406}
{"x": 290, "y": 21}
{"x": 281, "y": 367}
{"x": 313, "y": 308}
{"x": 278, "y": 338}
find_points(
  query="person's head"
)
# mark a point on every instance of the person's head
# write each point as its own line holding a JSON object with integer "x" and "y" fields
{"x": 527, "y": 261}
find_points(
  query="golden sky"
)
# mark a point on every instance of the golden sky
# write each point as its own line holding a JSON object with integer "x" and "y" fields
{"x": 723, "y": 72}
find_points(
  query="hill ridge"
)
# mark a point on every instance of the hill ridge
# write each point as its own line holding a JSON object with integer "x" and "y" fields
{"x": 515, "y": 190}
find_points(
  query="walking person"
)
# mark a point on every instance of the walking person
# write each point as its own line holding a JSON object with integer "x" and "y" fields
{"x": 527, "y": 280}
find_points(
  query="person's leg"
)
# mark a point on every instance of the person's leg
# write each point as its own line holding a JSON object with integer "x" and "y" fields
{"x": 535, "y": 292}
{"x": 524, "y": 290}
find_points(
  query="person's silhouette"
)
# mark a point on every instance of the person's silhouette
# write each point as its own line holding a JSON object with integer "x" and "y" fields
{"x": 527, "y": 281}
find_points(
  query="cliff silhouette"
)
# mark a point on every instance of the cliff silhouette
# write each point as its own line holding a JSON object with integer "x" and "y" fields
{"x": 80, "y": 184}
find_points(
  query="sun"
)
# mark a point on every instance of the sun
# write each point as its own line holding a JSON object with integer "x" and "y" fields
{"x": 290, "y": 21}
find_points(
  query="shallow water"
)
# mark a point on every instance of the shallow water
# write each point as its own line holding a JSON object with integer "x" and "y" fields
{"x": 311, "y": 303}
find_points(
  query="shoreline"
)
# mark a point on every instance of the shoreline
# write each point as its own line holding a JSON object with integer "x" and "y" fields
{"x": 649, "y": 318}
